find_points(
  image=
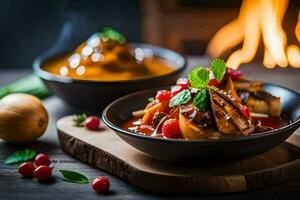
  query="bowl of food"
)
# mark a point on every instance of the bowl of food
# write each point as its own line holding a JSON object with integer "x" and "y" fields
{"x": 216, "y": 115}
{"x": 105, "y": 67}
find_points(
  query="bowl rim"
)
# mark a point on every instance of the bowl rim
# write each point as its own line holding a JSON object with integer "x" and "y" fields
{"x": 37, "y": 67}
{"x": 293, "y": 125}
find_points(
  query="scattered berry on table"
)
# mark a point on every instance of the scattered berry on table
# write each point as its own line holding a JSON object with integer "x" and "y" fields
{"x": 43, "y": 173}
{"x": 26, "y": 169}
{"x": 42, "y": 159}
{"x": 92, "y": 123}
{"x": 101, "y": 184}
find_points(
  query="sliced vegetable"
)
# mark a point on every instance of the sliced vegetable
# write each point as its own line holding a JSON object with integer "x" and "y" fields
{"x": 31, "y": 84}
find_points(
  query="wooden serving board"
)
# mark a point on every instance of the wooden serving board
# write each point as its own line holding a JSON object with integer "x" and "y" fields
{"x": 105, "y": 150}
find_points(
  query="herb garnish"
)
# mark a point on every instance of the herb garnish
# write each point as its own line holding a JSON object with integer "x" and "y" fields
{"x": 199, "y": 78}
{"x": 21, "y": 156}
{"x": 200, "y": 100}
{"x": 109, "y": 33}
{"x": 151, "y": 99}
{"x": 74, "y": 177}
{"x": 181, "y": 98}
{"x": 79, "y": 119}
{"x": 218, "y": 68}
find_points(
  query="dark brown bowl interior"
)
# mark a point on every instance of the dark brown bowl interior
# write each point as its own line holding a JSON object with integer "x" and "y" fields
{"x": 206, "y": 151}
{"x": 97, "y": 94}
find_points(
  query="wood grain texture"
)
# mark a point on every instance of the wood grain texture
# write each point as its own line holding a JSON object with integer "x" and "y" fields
{"x": 105, "y": 150}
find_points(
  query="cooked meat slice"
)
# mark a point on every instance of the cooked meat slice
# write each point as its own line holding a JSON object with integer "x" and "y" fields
{"x": 229, "y": 87}
{"x": 264, "y": 102}
{"x": 191, "y": 131}
{"x": 248, "y": 85}
{"x": 199, "y": 118}
{"x": 157, "y": 117}
{"x": 228, "y": 116}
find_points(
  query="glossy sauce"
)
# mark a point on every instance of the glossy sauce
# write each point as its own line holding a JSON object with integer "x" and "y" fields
{"x": 134, "y": 125}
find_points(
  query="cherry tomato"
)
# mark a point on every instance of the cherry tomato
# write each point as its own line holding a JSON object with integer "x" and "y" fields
{"x": 43, "y": 173}
{"x": 176, "y": 89}
{"x": 92, "y": 123}
{"x": 100, "y": 184}
{"x": 213, "y": 82}
{"x": 245, "y": 112}
{"x": 26, "y": 169}
{"x": 184, "y": 82}
{"x": 163, "y": 95}
{"x": 42, "y": 159}
{"x": 234, "y": 73}
{"x": 171, "y": 129}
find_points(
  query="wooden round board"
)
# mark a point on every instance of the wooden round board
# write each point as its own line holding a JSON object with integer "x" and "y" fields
{"x": 105, "y": 150}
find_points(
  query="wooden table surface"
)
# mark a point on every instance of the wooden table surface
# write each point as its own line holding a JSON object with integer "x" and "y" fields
{"x": 14, "y": 187}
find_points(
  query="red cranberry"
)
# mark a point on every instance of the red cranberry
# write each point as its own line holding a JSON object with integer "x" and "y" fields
{"x": 234, "y": 73}
{"x": 43, "y": 173}
{"x": 92, "y": 123}
{"x": 213, "y": 82}
{"x": 26, "y": 169}
{"x": 42, "y": 159}
{"x": 184, "y": 82}
{"x": 100, "y": 184}
{"x": 245, "y": 112}
{"x": 171, "y": 129}
{"x": 163, "y": 95}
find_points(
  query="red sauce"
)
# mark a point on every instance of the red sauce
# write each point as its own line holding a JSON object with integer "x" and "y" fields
{"x": 131, "y": 125}
{"x": 274, "y": 122}
{"x": 268, "y": 123}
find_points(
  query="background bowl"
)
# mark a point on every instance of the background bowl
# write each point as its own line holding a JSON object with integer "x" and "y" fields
{"x": 88, "y": 94}
{"x": 206, "y": 151}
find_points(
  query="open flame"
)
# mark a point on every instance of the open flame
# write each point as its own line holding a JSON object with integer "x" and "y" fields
{"x": 257, "y": 18}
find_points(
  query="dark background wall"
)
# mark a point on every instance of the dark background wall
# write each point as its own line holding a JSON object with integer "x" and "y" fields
{"x": 27, "y": 28}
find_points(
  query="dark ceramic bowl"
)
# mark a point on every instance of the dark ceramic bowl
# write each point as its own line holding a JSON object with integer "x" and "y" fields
{"x": 97, "y": 94}
{"x": 206, "y": 151}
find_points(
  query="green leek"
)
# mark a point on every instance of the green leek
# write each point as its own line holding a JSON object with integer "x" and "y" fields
{"x": 31, "y": 84}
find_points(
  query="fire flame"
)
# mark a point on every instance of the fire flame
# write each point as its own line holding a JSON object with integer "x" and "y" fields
{"x": 257, "y": 19}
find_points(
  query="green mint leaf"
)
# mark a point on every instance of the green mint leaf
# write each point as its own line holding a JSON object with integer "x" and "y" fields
{"x": 109, "y": 33}
{"x": 20, "y": 156}
{"x": 74, "y": 177}
{"x": 200, "y": 100}
{"x": 199, "y": 77}
{"x": 181, "y": 98}
{"x": 79, "y": 119}
{"x": 218, "y": 67}
{"x": 151, "y": 99}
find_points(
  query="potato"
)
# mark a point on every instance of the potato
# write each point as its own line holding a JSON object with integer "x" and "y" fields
{"x": 23, "y": 118}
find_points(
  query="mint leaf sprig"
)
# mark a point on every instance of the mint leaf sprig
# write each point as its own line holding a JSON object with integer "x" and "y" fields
{"x": 218, "y": 68}
{"x": 79, "y": 119}
{"x": 199, "y": 79}
{"x": 109, "y": 33}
